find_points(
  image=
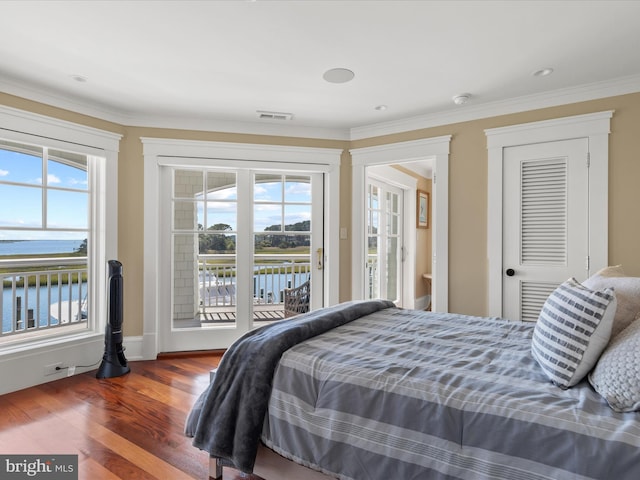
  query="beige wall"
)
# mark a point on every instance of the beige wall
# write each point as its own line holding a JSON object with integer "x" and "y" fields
{"x": 468, "y": 192}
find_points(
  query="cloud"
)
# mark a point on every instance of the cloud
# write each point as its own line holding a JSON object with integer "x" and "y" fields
{"x": 51, "y": 178}
{"x": 4, "y": 173}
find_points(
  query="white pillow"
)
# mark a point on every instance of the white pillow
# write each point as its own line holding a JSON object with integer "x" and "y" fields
{"x": 572, "y": 330}
{"x": 617, "y": 373}
{"x": 627, "y": 293}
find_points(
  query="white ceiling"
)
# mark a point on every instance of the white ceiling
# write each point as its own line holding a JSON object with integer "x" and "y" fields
{"x": 213, "y": 64}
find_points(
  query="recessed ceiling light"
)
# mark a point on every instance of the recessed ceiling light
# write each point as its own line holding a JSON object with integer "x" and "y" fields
{"x": 543, "y": 72}
{"x": 79, "y": 78}
{"x": 461, "y": 98}
{"x": 338, "y": 75}
{"x": 381, "y": 108}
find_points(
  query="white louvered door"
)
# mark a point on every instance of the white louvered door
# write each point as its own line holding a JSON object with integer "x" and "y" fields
{"x": 545, "y": 222}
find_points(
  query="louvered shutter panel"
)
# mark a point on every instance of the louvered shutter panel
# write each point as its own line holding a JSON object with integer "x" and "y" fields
{"x": 543, "y": 227}
{"x": 544, "y": 212}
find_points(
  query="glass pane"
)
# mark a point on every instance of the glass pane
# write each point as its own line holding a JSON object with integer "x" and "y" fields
{"x": 393, "y": 201}
{"x": 20, "y": 206}
{"x": 221, "y": 186}
{"x": 392, "y": 269}
{"x": 394, "y": 223}
{"x": 267, "y": 188}
{"x": 267, "y": 217}
{"x": 373, "y": 198}
{"x": 297, "y": 218}
{"x": 204, "y": 288}
{"x": 20, "y": 163}
{"x": 188, "y": 215}
{"x": 372, "y": 267}
{"x": 297, "y": 189}
{"x": 69, "y": 171}
{"x": 222, "y": 216}
{"x": 67, "y": 209}
{"x": 188, "y": 184}
{"x": 30, "y": 243}
{"x": 375, "y": 223}
{"x": 217, "y": 243}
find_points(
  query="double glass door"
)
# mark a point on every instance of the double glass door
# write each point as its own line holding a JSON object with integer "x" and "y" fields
{"x": 245, "y": 244}
{"x": 384, "y": 241}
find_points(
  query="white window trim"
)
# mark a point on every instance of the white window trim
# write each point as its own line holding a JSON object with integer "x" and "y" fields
{"x": 437, "y": 149}
{"x": 595, "y": 127}
{"x": 171, "y": 152}
{"x": 79, "y": 349}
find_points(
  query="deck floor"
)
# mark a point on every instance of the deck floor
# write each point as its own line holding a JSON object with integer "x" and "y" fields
{"x": 264, "y": 313}
{"x": 227, "y": 315}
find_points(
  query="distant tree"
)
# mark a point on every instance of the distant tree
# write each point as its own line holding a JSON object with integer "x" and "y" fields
{"x": 82, "y": 249}
{"x": 216, "y": 241}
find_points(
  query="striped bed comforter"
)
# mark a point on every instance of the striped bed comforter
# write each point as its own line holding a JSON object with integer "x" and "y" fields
{"x": 418, "y": 395}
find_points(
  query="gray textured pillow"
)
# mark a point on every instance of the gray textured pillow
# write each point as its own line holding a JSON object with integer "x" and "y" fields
{"x": 617, "y": 373}
{"x": 627, "y": 294}
{"x": 572, "y": 330}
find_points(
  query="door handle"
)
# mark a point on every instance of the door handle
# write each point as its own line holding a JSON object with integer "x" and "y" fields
{"x": 320, "y": 263}
{"x": 510, "y": 272}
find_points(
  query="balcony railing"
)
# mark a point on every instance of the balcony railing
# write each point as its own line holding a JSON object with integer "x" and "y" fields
{"x": 41, "y": 295}
{"x": 272, "y": 274}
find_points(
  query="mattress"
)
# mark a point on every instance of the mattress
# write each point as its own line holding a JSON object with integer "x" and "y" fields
{"x": 419, "y": 395}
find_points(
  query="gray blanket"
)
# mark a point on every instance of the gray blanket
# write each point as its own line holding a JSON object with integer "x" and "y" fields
{"x": 227, "y": 419}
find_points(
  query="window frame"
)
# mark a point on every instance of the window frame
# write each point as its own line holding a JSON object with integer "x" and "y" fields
{"x": 78, "y": 348}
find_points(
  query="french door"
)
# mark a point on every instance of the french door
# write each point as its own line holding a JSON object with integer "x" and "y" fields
{"x": 385, "y": 250}
{"x": 239, "y": 238}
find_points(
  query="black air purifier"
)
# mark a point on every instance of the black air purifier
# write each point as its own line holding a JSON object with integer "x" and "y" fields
{"x": 114, "y": 363}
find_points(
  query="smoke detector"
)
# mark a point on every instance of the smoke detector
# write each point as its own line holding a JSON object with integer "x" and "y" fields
{"x": 264, "y": 115}
{"x": 461, "y": 98}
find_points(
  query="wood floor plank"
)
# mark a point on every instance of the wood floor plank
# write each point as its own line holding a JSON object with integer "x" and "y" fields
{"x": 128, "y": 427}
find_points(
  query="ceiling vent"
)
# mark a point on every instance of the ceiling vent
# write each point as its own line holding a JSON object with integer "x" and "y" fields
{"x": 274, "y": 115}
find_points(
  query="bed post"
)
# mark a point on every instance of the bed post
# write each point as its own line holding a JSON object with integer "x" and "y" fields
{"x": 215, "y": 468}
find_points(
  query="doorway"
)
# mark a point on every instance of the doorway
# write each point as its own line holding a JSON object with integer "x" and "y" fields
{"x": 207, "y": 205}
{"x": 433, "y": 150}
{"x": 594, "y": 130}
{"x": 387, "y": 254}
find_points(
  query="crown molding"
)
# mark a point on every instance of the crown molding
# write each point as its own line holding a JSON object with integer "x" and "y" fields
{"x": 582, "y": 93}
{"x": 128, "y": 119}
{"x": 592, "y": 91}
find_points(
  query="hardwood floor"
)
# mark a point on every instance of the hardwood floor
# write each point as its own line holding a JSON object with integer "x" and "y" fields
{"x": 128, "y": 428}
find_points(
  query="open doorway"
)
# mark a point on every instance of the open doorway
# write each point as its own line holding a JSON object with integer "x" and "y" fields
{"x": 398, "y": 252}
{"x": 430, "y": 154}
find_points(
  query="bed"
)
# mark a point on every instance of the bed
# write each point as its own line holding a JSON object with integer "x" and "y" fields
{"x": 368, "y": 391}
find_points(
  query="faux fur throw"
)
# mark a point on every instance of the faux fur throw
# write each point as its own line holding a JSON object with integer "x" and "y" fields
{"x": 227, "y": 418}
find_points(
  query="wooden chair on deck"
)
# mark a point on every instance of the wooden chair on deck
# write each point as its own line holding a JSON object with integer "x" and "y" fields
{"x": 297, "y": 300}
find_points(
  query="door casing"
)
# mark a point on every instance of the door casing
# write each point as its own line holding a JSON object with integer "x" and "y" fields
{"x": 160, "y": 152}
{"x": 596, "y": 128}
{"x": 435, "y": 149}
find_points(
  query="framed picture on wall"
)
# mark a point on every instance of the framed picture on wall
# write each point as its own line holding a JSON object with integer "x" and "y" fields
{"x": 422, "y": 210}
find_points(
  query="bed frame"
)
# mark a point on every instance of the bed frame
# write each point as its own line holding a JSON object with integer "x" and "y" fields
{"x": 271, "y": 466}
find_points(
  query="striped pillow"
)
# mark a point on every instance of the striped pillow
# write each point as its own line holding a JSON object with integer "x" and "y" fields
{"x": 572, "y": 330}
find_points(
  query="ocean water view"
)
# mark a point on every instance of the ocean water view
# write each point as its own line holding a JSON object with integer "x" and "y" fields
{"x": 38, "y": 247}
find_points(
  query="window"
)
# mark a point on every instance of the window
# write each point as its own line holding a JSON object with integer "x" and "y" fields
{"x": 44, "y": 240}
{"x": 56, "y": 234}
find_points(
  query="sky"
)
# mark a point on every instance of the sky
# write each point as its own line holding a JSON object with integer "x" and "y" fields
{"x": 21, "y": 197}
{"x": 268, "y": 198}
{"x": 21, "y": 200}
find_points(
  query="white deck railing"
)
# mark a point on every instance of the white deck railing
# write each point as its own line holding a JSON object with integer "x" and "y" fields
{"x": 42, "y": 294}
{"x": 272, "y": 274}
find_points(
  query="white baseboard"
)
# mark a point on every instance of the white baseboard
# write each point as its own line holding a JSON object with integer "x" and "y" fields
{"x": 422, "y": 302}
{"x": 133, "y": 348}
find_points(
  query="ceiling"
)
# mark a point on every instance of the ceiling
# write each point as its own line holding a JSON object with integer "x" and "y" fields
{"x": 214, "y": 64}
